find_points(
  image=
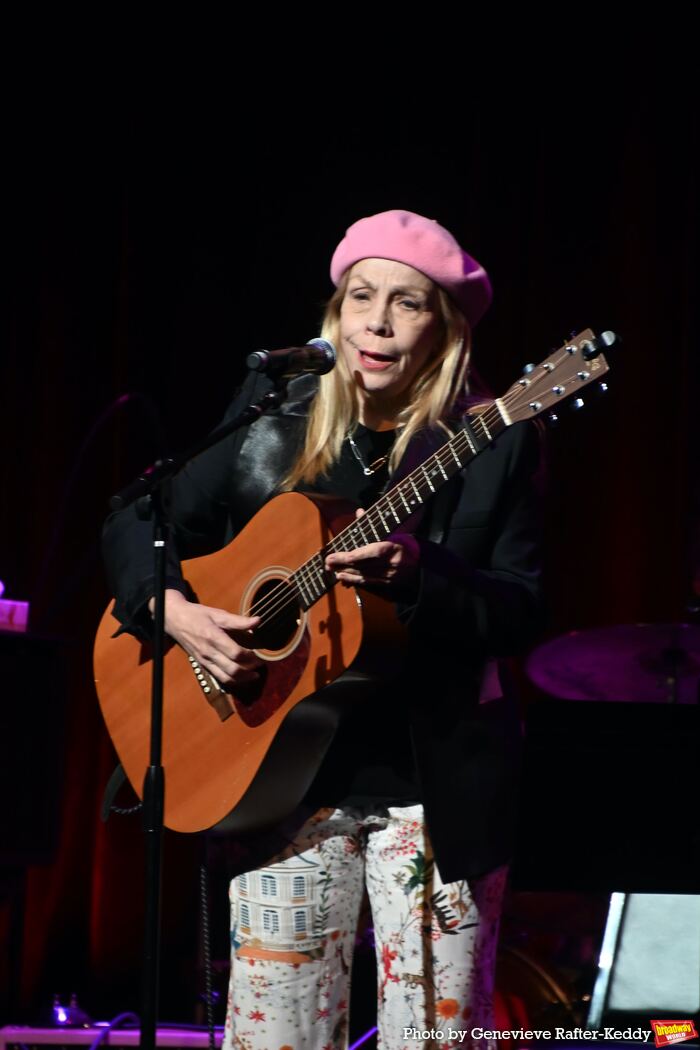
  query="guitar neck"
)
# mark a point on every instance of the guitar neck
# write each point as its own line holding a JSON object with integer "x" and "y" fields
{"x": 401, "y": 501}
{"x": 575, "y": 364}
{"x": 404, "y": 499}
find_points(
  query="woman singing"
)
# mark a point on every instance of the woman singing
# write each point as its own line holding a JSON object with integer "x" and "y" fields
{"x": 414, "y": 797}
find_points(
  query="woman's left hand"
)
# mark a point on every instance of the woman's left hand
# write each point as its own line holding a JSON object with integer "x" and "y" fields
{"x": 391, "y": 562}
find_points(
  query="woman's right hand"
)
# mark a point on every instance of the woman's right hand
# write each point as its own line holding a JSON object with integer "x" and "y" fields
{"x": 215, "y": 638}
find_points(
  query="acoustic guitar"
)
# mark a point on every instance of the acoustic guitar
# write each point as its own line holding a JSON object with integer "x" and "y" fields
{"x": 315, "y": 638}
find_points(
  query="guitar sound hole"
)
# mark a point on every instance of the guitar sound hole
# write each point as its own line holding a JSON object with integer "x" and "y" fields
{"x": 280, "y": 612}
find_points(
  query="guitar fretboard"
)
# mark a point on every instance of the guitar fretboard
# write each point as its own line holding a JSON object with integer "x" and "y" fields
{"x": 397, "y": 505}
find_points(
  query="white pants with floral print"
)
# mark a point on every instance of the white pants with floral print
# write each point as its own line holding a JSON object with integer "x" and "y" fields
{"x": 293, "y": 927}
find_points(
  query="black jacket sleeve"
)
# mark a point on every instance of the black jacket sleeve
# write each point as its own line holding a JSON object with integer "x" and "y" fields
{"x": 200, "y": 506}
{"x": 481, "y": 588}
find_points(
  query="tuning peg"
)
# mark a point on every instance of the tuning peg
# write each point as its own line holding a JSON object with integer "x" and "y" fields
{"x": 529, "y": 368}
{"x": 552, "y": 419}
{"x": 593, "y": 347}
{"x": 602, "y": 387}
{"x": 577, "y": 403}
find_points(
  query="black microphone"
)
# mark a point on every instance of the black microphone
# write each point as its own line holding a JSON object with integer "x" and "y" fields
{"x": 318, "y": 357}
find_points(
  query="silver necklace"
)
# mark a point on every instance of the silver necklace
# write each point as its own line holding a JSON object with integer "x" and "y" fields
{"x": 370, "y": 469}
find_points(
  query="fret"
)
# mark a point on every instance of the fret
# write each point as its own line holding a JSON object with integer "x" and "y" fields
{"x": 427, "y": 477}
{"x": 383, "y": 519}
{"x": 319, "y": 564}
{"x": 316, "y": 571}
{"x": 355, "y": 530}
{"x": 316, "y": 582}
{"x": 369, "y": 522}
{"x": 442, "y": 469}
{"x": 418, "y": 495}
{"x": 310, "y": 581}
{"x": 484, "y": 427}
{"x": 459, "y": 461}
{"x": 300, "y": 583}
{"x": 472, "y": 446}
{"x": 407, "y": 505}
{"x": 391, "y": 508}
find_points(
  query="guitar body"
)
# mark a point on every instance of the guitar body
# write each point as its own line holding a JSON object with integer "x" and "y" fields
{"x": 214, "y": 743}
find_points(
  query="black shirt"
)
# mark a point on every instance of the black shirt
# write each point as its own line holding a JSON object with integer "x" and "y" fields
{"x": 371, "y": 755}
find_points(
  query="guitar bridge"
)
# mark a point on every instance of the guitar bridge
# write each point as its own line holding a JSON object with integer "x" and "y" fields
{"x": 214, "y": 694}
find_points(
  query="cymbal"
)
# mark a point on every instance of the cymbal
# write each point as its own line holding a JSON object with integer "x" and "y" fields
{"x": 640, "y": 662}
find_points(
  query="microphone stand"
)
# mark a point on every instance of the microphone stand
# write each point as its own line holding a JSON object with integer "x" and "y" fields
{"x": 151, "y": 493}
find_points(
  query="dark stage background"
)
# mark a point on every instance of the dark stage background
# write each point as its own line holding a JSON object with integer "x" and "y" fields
{"x": 151, "y": 246}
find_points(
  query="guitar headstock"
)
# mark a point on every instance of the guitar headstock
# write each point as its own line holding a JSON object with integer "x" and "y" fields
{"x": 569, "y": 369}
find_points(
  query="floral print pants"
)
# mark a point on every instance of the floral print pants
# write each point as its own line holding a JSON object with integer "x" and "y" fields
{"x": 293, "y": 926}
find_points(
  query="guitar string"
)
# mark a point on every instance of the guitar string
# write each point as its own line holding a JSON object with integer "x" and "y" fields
{"x": 311, "y": 574}
{"x": 308, "y": 574}
{"x": 522, "y": 390}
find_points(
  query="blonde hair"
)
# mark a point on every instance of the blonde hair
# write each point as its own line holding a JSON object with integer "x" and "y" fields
{"x": 335, "y": 410}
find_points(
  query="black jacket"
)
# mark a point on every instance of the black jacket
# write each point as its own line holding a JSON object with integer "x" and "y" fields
{"x": 479, "y": 597}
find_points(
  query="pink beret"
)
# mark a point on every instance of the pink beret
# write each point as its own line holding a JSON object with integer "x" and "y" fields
{"x": 426, "y": 246}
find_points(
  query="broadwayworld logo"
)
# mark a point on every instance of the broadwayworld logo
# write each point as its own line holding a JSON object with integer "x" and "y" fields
{"x": 668, "y": 1032}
